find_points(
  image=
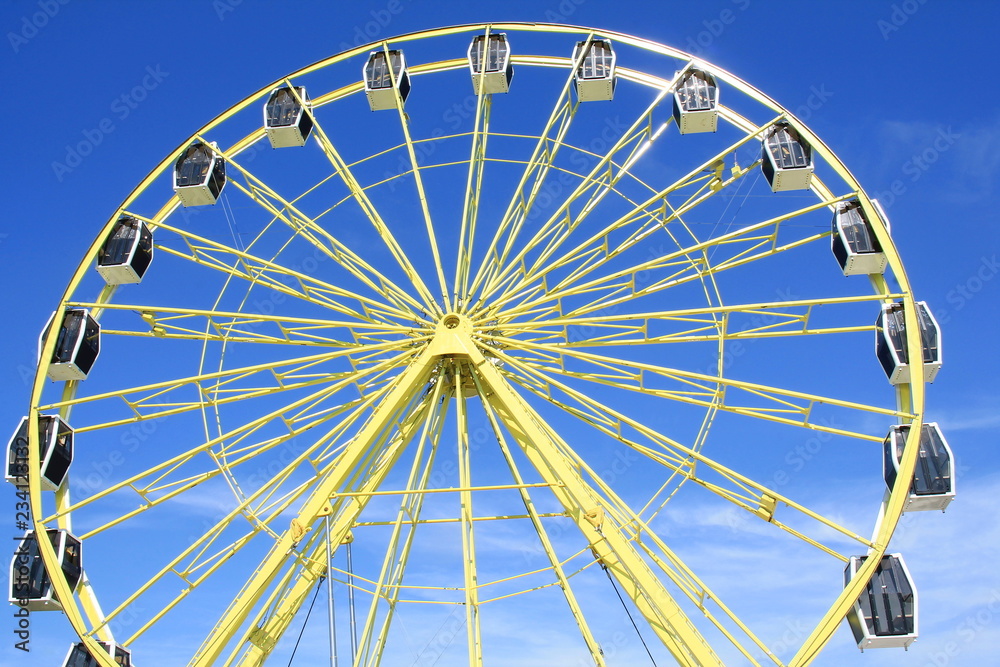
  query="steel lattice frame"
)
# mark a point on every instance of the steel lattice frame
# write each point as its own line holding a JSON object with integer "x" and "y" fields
{"x": 499, "y": 330}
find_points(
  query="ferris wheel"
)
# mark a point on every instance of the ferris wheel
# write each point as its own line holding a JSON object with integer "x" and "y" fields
{"x": 478, "y": 364}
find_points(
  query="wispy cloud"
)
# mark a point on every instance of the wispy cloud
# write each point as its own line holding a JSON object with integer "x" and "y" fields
{"x": 967, "y": 418}
{"x": 964, "y": 158}
{"x": 783, "y": 588}
{"x": 977, "y": 161}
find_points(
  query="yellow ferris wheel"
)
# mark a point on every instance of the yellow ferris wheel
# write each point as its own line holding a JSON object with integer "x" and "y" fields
{"x": 482, "y": 363}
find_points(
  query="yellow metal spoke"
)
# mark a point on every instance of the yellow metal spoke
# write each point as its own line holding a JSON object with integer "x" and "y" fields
{"x": 196, "y": 553}
{"x": 238, "y": 326}
{"x": 527, "y": 190}
{"x": 257, "y": 191}
{"x": 473, "y": 189}
{"x": 644, "y": 135}
{"x": 298, "y": 366}
{"x": 469, "y": 563}
{"x": 671, "y": 565}
{"x": 343, "y": 514}
{"x": 268, "y": 273}
{"x": 151, "y": 401}
{"x": 754, "y": 497}
{"x": 404, "y": 123}
{"x": 639, "y": 324}
{"x": 390, "y": 581}
{"x": 595, "y": 186}
{"x": 261, "y": 636}
{"x": 785, "y": 406}
{"x": 245, "y": 508}
{"x": 611, "y": 548}
{"x": 371, "y": 212}
{"x": 652, "y": 213}
{"x": 596, "y": 653}
{"x": 311, "y": 566}
{"x": 233, "y": 436}
{"x": 750, "y": 243}
{"x": 634, "y": 527}
{"x": 761, "y": 320}
{"x": 400, "y": 395}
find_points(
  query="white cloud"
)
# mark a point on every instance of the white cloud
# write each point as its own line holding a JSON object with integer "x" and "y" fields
{"x": 966, "y": 418}
{"x": 965, "y": 159}
{"x": 778, "y": 585}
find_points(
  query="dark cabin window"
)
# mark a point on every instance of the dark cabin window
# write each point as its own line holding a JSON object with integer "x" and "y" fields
{"x": 597, "y": 63}
{"x": 194, "y": 165}
{"x": 856, "y": 230}
{"x": 282, "y": 108}
{"x": 697, "y": 92}
{"x": 377, "y": 71}
{"x": 495, "y": 57}
{"x": 887, "y": 603}
{"x": 116, "y": 249}
{"x": 787, "y": 149}
{"x": 928, "y": 334}
{"x": 932, "y": 475}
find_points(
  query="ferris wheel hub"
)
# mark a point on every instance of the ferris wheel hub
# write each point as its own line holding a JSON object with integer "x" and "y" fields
{"x": 452, "y": 320}
{"x": 453, "y": 336}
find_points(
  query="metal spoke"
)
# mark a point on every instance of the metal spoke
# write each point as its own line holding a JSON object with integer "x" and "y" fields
{"x": 652, "y": 213}
{"x": 257, "y": 191}
{"x": 557, "y": 568}
{"x": 544, "y": 154}
{"x": 470, "y": 568}
{"x": 296, "y": 424}
{"x": 594, "y": 186}
{"x": 404, "y": 123}
{"x": 268, "y": 273}
{"x": 754, "y": 497}
{"x": 782, "y": 405}
{"x": 371, "y": 212}
{"x": 766, "y": 320}
{"x": 473, "y": 190}
{"x": 390, "y": 580}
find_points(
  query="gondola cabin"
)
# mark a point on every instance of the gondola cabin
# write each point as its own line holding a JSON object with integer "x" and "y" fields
{"x": 382, "y": 82}
{"x": 77, "y": 345}
{"x": 854, "y": 243}
{"x": 126, "y": 253}
{"x": 890, "y": 342}
{"x": 489, "y": 62}
{"x": 199, "y": 174}
{"x": 786, "y": 159}
{"x": 30, "y": 585}
{"x": 79, "y": 656}
{"x": 595, "y": 70}
{"x": 885, "y": 615}
{"x": 696, "y": 102}
{"x": 287, "y": 119}
{"x": 56, "y": 452}
{"x": 933, "y": 479}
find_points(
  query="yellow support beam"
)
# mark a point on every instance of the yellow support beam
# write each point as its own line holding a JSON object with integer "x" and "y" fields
{"x": 390, "y": 581}
{"x": 406, "y": 388}
{"x": 262, "y": 638}
{"x": 584, "y": 506}
{"x": 596, "y": 653}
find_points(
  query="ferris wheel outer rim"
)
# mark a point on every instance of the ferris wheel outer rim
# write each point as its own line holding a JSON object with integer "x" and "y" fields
{"x": 911, "y": 395}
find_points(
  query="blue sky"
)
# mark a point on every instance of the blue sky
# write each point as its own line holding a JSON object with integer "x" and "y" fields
{"x": 898, "y": 90}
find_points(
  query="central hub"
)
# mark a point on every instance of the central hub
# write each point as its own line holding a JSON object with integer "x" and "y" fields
{"x": 453, "y": 334}
{"x": 455, "y": 323}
